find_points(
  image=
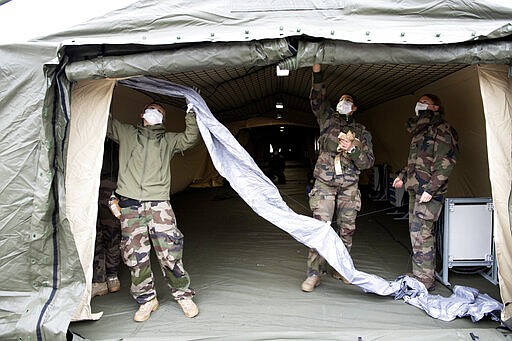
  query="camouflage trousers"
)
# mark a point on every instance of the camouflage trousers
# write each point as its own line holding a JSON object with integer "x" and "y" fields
{"x": 107, "y": 253}
{"x": 328, "y": 202}
{"x": 153, "y": 223}
{"x": 422, "y": 217}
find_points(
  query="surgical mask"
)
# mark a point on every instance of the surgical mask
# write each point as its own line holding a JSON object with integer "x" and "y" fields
{"x": 153, "y": 116}
{"x": 344, "y": 107}
{"x": 420, "y": 107}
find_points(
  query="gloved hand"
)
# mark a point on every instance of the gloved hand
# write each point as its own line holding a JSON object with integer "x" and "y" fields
{"x": 190, "y": 106}
{"x": 345, "y": 141}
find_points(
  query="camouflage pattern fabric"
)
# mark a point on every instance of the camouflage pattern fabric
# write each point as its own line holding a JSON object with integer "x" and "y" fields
{"x": 336, "y": 195}
{"x": 432, "y": 154}
{"x": 325, "y": 202}
{"x": 421, "y": 228}
{"x": 107, "y": 253}
{"x": 153, "y": 223}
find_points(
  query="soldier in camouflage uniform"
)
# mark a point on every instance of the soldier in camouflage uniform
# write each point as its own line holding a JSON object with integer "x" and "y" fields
{"x": 107, "y": 255}
{"x": 432, "y": 156}
{"x": 335, "y": 192}
{"x": 147, "y": 218}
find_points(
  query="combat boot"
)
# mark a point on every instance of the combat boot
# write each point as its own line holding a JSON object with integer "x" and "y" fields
{"x": 430, "y": 283}
{"x": 310, "y": 283}
{"x": 113, "y": 283}
{"x": 188, "y": 306}
{"x": 145, "y": 310}
{"x": 99, "y": 289}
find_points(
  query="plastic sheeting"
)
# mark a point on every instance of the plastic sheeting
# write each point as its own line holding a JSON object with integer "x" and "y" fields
{"x": 245, "y": 177}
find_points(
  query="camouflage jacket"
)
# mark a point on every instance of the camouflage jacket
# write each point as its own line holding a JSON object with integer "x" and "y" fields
{"x": 432, "y": 154}
{"x": 331, "y": 124}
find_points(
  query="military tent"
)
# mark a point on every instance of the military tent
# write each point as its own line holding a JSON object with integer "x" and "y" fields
{"x": 57, "y": 89}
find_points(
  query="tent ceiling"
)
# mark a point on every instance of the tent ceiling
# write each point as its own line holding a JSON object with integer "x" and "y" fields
{"x": 240, "y": 93}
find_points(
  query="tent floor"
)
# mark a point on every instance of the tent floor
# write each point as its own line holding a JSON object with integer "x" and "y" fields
{"x": 247, "y": 274}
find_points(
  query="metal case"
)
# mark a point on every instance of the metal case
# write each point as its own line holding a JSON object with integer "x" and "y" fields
{"x": 465, "y": 231}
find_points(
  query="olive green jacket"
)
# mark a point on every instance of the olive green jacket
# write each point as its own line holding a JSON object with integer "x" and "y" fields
{"x": 145, "y": 154}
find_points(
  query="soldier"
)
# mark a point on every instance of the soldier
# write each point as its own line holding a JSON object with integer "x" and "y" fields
{"x": 107, "y": 254}
{"x": 432, "y": 156}
{"x": 345, "y": 150}
{"x": 147, "y": 218}
{"x": 276, "y": 167}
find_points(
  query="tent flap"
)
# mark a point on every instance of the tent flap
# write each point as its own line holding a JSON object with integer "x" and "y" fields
{"x": 343, "y": 52}
{"x": 185, "y": 59}
{"x": 496, "y": 88}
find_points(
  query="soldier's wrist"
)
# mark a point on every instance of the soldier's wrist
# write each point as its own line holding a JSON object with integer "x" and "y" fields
{"x": 318, "y": 77}
{"x": 354, "y": 152}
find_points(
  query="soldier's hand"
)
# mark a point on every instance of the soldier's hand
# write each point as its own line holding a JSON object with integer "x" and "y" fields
{"x": 425, "y": 197}
{"x": 398, "y": 183}
{"x": 316, "y": 67}
{"x": 345, "y": 144}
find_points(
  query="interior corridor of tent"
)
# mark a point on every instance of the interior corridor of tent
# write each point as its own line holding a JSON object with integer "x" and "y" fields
{"x": 247, "y": 274}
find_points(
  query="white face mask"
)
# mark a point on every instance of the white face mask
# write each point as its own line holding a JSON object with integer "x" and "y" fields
{"x": 344, "y": 107}
{"x": 419, "y": 107}
{"x": 153, "y": 116}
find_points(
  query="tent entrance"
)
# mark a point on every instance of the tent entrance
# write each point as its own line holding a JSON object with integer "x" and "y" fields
{"x": 108, "y": 84}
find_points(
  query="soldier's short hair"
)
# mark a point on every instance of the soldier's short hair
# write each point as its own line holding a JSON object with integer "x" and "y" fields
{"x": 436, "y": 100}
{"x": 354, "y": 101}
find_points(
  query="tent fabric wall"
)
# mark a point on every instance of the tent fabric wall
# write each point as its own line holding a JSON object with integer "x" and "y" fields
{"x": 90, "y": 105}
{"x": 496, "y": 87}
{"x": 429, "y": 22}
{"x": 45, "y": 275}
{"x": 41, "y": 273}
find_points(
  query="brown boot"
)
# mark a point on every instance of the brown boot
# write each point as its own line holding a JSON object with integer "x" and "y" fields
{"x": 113, "y": 283}
{"x": 145, "y": 310}
{"x": 430, "y": 283}
{"x": 99, "y": 289}
{"x": 188, "y": 306}
{"x": 310, "y": 283}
